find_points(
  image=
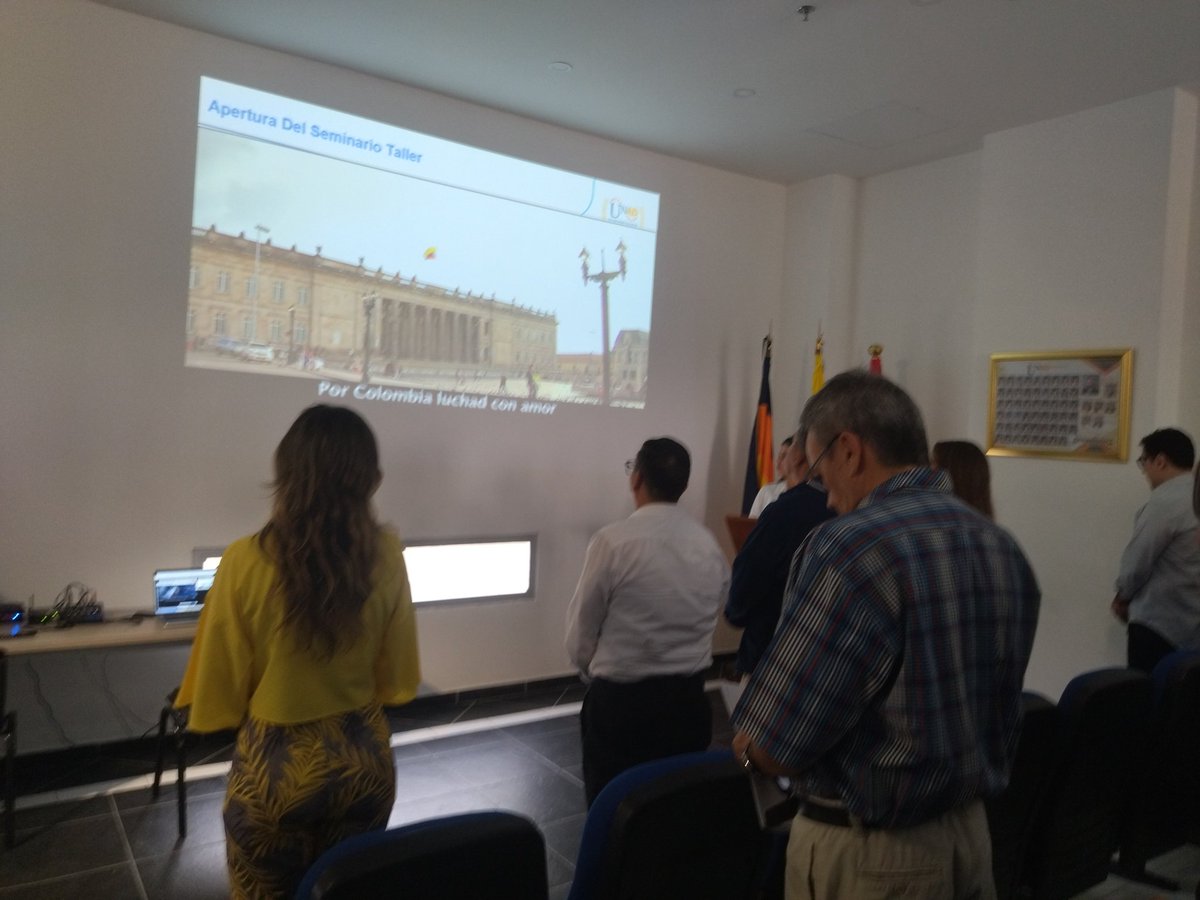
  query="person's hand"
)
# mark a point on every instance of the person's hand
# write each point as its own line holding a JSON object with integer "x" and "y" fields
{"x": 740, "y": 742}
{"x": 1120, "y": 608}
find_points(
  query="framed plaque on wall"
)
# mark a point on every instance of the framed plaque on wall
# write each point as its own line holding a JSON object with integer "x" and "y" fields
{"x": 1065, "y": 404}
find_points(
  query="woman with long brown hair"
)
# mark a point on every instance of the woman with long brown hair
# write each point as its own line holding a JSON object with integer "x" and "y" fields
{"x": 968, "y": 469}
{"x": 307, "y": 631}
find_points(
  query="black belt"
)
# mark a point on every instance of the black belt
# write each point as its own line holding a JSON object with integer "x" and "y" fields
{"x": 826, "y": 815}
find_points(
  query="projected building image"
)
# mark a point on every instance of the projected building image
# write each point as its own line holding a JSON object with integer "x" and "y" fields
{"x": 306, "y": 314}
{"x": 326, "y": 254}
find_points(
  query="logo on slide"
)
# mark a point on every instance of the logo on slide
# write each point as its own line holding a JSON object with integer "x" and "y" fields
{"x": 616, "y": 211}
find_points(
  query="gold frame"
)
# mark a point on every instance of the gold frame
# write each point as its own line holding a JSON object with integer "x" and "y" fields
{"x": 1061, "y": 404}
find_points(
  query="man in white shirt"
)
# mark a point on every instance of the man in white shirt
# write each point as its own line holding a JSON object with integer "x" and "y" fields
{"x": 1158, "y": 586}
{"x": 640, "y": 625}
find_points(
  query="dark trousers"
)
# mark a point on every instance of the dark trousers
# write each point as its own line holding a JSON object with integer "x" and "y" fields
{"x": 624, "y": 724}
{"x": 1146, "y": 647}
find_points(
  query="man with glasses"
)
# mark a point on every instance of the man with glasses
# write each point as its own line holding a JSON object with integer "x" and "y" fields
{"x": 640, "y": 625}
{"x": 891, "y": 691}
{"x": 1158, "y": 585}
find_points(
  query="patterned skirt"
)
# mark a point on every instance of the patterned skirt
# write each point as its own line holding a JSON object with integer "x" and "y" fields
{"x": 296, "y": 790}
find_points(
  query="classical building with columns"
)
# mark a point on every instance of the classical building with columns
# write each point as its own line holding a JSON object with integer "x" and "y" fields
{"x": 244, "y": 289}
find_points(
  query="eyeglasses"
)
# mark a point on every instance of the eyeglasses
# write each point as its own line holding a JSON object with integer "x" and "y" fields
{"x": 1143, "y": 459}
{"x": 813, "y": 478}
{"x": 630, "y": 465}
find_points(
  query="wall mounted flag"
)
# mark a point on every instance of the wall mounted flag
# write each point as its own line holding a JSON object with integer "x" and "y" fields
{"x": 760, "y": 465}
{"x": 818, "y": 381}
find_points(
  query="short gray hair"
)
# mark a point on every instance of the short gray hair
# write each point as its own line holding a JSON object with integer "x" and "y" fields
{"x": 875, "y": 409}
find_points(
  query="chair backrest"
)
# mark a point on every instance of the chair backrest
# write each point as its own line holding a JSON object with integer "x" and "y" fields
{"x": 1164, "y": 801}
{"x": 1011, "y": 814}
{"x": 1177, "y": 701}
{"x": 1103, "y": 717}
{"x": 495, "y": 854}
{"x": 685, "y": 826}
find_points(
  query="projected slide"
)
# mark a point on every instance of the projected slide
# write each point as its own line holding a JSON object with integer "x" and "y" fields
{"x": 393, "y": 267}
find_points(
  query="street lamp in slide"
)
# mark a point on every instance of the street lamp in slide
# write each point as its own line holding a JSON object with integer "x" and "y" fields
{"x": 368, "y": 308}
{"x": 603, "y": 278}
{"x": 259, "y": 231}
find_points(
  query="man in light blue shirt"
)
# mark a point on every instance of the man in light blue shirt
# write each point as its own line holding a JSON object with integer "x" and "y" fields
{"x": 1158, "y": 586}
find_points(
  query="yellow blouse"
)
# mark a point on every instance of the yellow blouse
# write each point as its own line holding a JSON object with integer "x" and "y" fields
{"x": 243, "y": 662}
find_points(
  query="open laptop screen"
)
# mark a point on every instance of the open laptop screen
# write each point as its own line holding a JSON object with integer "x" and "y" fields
{"x": 181, "y": 591}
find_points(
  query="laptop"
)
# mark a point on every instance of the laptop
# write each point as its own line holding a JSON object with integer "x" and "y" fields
{"x": 179, "y": 593}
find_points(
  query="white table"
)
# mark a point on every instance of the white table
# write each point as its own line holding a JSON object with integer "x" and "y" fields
{"x": 94, "y": 683}
{"x": 101, "y": 635}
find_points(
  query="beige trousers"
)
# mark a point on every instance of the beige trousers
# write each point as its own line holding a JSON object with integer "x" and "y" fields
{"x": 948, "y": 858}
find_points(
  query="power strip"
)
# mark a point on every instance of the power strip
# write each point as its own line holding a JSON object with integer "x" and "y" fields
{"x": 87, "y": 614}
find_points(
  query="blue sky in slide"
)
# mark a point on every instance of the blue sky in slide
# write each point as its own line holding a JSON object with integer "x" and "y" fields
{"x": 483, "y": 244}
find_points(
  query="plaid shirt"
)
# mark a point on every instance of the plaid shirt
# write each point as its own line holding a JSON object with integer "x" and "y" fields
{"x": 893, "y": 682}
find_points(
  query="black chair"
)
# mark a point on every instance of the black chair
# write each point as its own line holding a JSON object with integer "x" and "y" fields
{"x": 177, "y": 719}
{"x": 1164, "y": 804}
{"x": 685, "y": 826}
{"x": 1011, "y": 815}
{"x": 8, "y": 733}
{"x": 498, "y": 855}
{"x": 1103, "y": 718}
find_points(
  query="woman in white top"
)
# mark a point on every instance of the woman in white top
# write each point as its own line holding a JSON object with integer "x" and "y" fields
{"x": 769, "y": 493}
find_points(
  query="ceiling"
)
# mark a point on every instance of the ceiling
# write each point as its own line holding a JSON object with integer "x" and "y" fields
{"x": 861, "y": 87}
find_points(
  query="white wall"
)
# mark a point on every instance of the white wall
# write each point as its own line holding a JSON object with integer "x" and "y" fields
{"x": 1179, "y": 320}
{"x": 818, "y": 289}
{"x": 116, "y": 460}
{"x": 888, "y": 260}
{"x": 916, "y": 284}
{"x": 1071, "y": 243}
{"x": 1051, "y": 236}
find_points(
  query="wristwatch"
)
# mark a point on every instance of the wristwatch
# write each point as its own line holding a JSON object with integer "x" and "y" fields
{"x": 744, "y": 759}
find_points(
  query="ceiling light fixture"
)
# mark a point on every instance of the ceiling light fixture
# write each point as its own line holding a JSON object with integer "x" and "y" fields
{"x": 806, "y": 10}
{"x": 559, "y": 66}
{"x": 744, "y": 92}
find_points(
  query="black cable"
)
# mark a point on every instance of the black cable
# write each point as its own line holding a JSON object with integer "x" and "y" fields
{"x": 45, "y": 704}
{"x": 75, "y": 603}
{"x": 111, "y": 695}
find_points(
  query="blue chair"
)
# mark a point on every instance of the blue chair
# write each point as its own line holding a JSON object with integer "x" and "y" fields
{"x": 497, "y": 855}
{"x": 1164, "y": 804}
{"x": 1012, "y": 814}
{"x": 1103, "y": 718}
{"x": 684, "y": 826}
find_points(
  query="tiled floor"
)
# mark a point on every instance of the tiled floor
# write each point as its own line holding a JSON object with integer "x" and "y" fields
{"x": 1181, "y": 865}
{"x": 516, "y": 750}
{"x": 511, "y": 749}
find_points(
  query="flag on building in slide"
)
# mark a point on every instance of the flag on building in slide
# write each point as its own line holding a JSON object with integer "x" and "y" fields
{"x": 760, "y": 466}
{"x": 818, "y": 381}
{"x": 875, "y": 366}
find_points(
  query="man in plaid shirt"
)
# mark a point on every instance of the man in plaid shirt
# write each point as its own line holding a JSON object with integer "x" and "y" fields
{"x": 892, "y": 688}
